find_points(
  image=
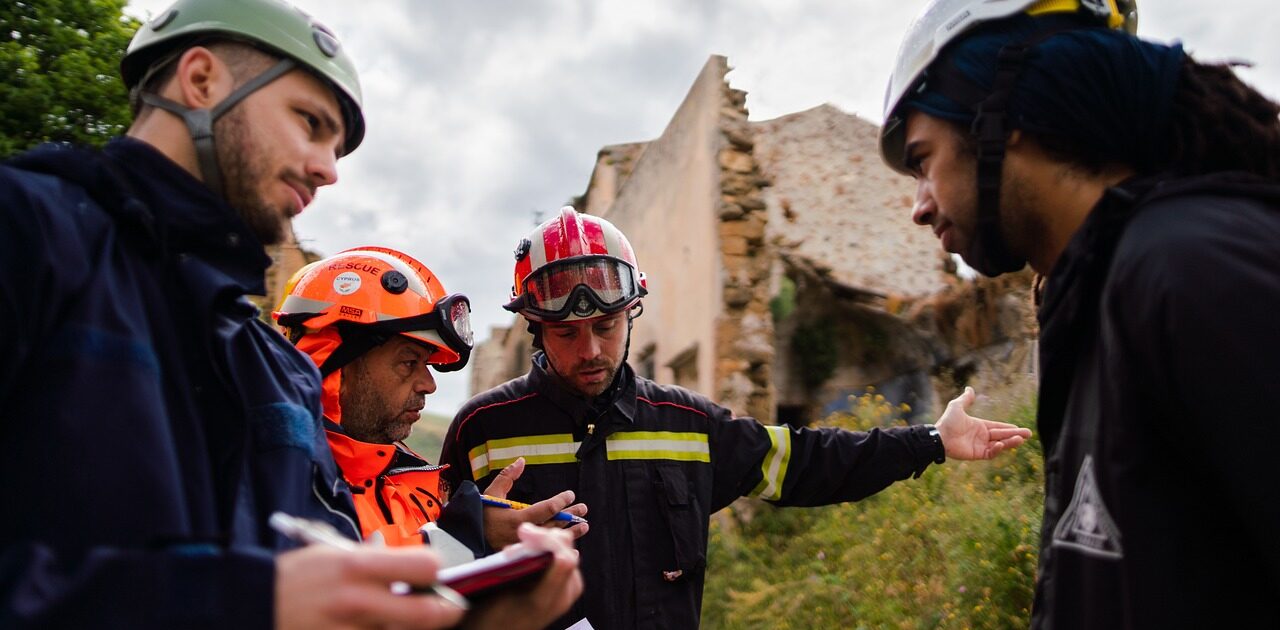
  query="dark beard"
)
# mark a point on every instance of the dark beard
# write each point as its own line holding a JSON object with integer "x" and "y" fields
{"x": 241, "y": 161}
{"x": 365, "y": 415}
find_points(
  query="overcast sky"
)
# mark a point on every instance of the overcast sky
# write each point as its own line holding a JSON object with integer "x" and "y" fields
{"x": 481, "y": 114}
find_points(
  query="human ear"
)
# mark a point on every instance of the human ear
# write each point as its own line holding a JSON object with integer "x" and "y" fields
{"x": 202, "y": 79}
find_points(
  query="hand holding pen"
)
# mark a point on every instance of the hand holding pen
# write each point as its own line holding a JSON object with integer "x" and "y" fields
{"x": 508, "y": 504}
{"x": 339, "y": 583}
{"x": 315, "y": 533}
{"x": 503, "y": 516}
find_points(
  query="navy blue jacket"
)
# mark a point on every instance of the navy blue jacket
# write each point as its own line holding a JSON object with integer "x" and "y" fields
{"x": 1158, "y": 400}
{"x": 149, "y": 422}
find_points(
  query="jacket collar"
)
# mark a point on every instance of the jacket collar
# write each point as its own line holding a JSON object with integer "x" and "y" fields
{"x": 362, "y": 460}
{"x": 620, "y": 397}
{"x": 191, "y": 217}
{"x": 1088, "y": 253}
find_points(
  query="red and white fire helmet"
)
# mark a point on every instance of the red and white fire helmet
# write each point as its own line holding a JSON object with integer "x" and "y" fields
{"x": 575, "y": 266}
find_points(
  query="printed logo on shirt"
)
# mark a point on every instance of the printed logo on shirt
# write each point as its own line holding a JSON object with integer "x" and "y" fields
{"x": 1087, "y": 526}
{"x": 347, "y": 283}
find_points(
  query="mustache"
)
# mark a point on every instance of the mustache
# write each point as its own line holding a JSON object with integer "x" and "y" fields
{"x": 594, "y": 365}
{"x": 415, "y": 403}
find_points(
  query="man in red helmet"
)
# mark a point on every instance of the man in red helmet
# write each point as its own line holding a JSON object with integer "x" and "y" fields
{"x": 653, "y": 461}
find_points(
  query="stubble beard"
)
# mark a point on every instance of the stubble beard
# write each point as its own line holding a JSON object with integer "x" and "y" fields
{"x": 244, "y": 167}
{"x": 366, "y": 416}
{"x": 589, "y": 391}
{"x": 1022, "y": 229}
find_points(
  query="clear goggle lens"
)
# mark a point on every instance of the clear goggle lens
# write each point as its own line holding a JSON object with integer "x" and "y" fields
{"x": 460, "y": 321}
{"x": 612, "y": 282}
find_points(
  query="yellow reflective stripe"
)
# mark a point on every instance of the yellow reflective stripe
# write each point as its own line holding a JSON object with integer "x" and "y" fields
{"x": 558, "y": 448}
{"x": 681, "y": 447}
{"x": 1115, "y": 19}
{"x": 774, "y": 466}
{"x": 479, "y": 457}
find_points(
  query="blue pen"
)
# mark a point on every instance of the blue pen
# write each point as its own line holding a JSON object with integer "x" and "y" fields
{"x": 516, "y": 505}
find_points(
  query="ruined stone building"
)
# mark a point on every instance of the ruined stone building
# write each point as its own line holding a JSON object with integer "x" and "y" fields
{"x": 784, "y": 271}
{"x": 286, "y": 259}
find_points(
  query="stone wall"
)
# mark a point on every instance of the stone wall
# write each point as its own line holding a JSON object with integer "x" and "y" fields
{"x": 667, "y": 209}
{"x": 502, "y": 357}
{"x": 744, "y": 328}
{"x": 286, "y": 259}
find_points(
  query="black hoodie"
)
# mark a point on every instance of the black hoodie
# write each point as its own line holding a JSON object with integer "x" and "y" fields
{"x": 1158, "y": 409}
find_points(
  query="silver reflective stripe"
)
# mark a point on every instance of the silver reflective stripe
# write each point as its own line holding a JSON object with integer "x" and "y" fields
{"x": 774, "y": 466}
{"x": 684, "y": 447}
{"x": 298, "y": 304}
{"x": 558, "y": 448}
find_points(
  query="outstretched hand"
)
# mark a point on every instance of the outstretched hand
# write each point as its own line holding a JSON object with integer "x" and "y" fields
{"x": 500, "y": 524}
{"x": 966, "y": 437}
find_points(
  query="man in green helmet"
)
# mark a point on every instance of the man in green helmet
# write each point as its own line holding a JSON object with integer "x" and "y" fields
{"x": 150, "y": 423}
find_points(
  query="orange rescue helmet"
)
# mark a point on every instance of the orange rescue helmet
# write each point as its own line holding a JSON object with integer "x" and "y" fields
{"x": 369, "y": 293}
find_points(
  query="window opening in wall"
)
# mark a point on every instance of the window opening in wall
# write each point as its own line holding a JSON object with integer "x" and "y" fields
{"x": 646, "y": 362}
{"x": 684, "y": 368}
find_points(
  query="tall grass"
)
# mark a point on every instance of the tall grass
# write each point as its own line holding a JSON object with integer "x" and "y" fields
{"x": 954, "y": 549}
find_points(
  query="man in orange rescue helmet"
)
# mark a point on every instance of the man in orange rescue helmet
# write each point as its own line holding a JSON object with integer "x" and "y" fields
{"x": 373, "y": 319}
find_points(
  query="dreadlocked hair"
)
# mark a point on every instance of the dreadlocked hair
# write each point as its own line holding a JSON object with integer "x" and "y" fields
{"x": 1220, "y": 123}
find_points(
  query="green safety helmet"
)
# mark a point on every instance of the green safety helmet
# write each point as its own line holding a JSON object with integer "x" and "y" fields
{"x": 273, "y": 25}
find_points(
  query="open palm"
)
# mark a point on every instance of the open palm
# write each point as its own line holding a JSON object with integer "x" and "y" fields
{"x": 965, "y": 437}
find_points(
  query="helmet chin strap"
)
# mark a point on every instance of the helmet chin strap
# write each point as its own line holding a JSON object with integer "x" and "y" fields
{"x": 200, "y": 121}
{"x": 988, "y": 252}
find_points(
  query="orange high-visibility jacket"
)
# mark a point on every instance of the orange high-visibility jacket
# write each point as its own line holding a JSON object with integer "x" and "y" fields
{"x": 396, "y": 491}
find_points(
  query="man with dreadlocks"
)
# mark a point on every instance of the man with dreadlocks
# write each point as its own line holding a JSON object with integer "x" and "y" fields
{"x": 1142, "y": 186}
{"x": 653, "y": 462}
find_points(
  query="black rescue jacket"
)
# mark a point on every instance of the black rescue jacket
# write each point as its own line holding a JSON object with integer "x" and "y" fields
{"x": 652, "y": 463}
{"x": 1160, "y": 358}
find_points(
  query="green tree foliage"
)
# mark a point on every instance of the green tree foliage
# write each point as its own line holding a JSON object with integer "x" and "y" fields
{"x": 955, "y": 548}
{"x": 60, "y": 61}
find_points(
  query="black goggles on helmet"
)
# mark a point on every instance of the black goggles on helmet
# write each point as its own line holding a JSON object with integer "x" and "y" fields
{"x": 581, "y": 286}
{"x": 449, "y": 322}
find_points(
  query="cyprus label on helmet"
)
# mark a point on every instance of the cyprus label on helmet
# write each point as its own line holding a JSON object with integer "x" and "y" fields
{"x": 374, "y": 291}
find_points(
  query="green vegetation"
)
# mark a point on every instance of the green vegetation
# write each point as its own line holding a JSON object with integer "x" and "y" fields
{"x": 816, "y": 352}
{"x": 428, "y": 435}
{"x": 784, "y": 303}
{"x": 60, "y": 61}
{"x": 954, "y": 549}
